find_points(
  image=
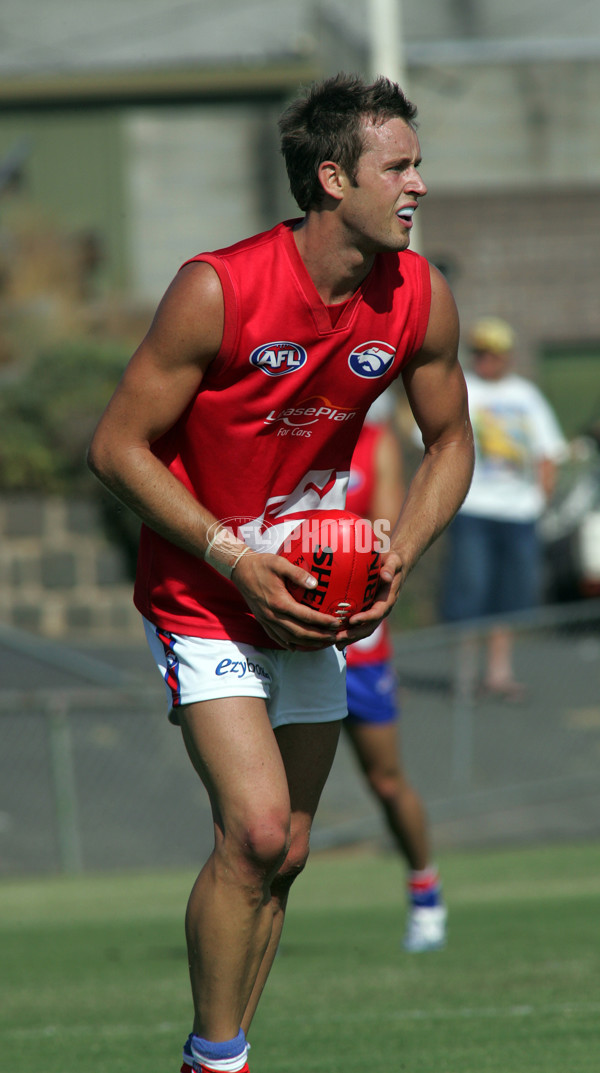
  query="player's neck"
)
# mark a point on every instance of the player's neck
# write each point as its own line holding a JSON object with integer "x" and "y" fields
{"x": 337, "y": 270}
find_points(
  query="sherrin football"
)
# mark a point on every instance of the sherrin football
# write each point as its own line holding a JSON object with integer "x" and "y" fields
{"x": 340, "y": 550}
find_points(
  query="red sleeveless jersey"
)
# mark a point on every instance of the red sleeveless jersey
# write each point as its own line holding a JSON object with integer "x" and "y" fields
{"x": 271, "y": 432}
{"x": 361, "y": 488}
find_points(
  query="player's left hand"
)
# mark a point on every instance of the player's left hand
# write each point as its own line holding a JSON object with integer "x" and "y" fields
{"x": 391, "y": 579}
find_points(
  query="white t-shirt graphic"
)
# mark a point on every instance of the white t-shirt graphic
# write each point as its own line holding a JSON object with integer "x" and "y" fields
{"x": 514, "y": 429}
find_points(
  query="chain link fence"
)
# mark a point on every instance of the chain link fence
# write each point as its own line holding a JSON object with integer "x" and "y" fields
{"x": 93, "y": 777}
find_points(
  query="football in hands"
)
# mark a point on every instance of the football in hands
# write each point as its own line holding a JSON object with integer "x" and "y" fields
{"x": 340, "y": 550}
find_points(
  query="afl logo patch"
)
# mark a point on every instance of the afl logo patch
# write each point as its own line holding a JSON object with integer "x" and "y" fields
{"x": 277, "y": 359}
{"x": 371, "y": 359}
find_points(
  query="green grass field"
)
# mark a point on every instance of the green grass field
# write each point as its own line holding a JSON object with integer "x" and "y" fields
{"x": 94, "y": 974}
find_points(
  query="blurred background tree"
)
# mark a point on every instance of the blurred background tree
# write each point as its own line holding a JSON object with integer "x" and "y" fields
{"x": 48, "y": 411}
{"x": 62, "y": 351}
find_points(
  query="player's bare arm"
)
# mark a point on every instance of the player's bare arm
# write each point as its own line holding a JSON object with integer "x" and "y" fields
{"x": 437, "y": 394}
{"x": 159, "y": 382}
{"x": 389, "y": 489}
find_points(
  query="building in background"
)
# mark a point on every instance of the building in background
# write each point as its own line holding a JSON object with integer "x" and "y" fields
{"x": 148, "y": 129}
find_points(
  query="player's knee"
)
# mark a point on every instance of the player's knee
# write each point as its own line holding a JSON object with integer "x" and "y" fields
{"x": 265, "y": 842}
{"x": 386, "y": 785}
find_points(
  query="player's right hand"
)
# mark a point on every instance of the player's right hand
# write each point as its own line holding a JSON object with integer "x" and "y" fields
{"x": 261, "y": 578}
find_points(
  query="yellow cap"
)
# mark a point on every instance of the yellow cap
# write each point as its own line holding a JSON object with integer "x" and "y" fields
{"x": 492, "y": 334}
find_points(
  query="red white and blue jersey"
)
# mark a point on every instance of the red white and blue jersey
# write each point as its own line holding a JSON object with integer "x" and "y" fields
{"x": 271, "y": 432}
{"x": 378, "y": 646}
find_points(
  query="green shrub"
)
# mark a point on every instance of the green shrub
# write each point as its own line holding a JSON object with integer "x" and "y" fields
{"x": 48, "y": 414}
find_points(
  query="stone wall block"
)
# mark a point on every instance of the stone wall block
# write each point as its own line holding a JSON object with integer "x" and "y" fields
{"x": 61, "y": 574}
{"x": 58, "y": 569}
{"x": 24, "y": 517}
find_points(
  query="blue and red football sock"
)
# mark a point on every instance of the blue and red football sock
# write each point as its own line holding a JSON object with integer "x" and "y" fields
{"x": 205, "y": 1056}
{"x": 425, "y": 888}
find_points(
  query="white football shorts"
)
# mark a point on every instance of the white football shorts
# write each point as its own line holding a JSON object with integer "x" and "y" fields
{"x": 297, "y": 687}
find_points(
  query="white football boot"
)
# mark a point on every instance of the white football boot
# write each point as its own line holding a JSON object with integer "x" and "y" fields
{"x": 425, "y": 928}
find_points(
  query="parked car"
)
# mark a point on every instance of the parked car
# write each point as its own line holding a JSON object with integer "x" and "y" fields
{"x": 570, "y": 529}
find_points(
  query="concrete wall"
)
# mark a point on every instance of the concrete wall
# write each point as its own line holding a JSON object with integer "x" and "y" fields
{"x": 507, "y": 127}
{"x": 198, "y": 178}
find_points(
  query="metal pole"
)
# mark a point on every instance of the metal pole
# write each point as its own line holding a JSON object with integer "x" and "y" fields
{"x": 387, "y": 57}
{"x": 65, "y": 792}
{"x": 465, "y": 662}
{"x": 386, "y": 40}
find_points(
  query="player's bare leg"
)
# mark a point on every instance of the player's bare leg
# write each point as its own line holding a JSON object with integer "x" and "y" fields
{"x": 377, "y": 748}
{"x": 307, "y": 751}
{"x": 230, "y": 917}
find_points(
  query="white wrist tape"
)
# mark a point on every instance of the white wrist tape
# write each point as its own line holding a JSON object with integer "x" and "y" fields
{"x": 240, "y": 556}
{"x": 224, "y": 551}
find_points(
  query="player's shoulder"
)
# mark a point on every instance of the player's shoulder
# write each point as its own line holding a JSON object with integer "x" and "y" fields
{"x": 408, "y": 262}
{"x": 209, "y": 278}
{"x": 191, "y": 310}
{"x": 243, "y": 246}
{"x": 196, "y": 281}
{"x": 442, "y": 333}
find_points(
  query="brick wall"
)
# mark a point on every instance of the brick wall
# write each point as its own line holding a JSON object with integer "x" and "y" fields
{"x": 531, "y": 258}
{"x": 59, "y": 574}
